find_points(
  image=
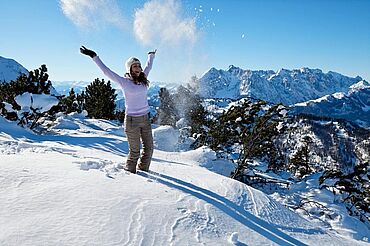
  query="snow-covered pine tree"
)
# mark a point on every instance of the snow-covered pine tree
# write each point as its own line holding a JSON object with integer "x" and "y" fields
{"x": 36, "y": 83}
{"x": 250, "y": 129}
{"x": 299, "y": 164}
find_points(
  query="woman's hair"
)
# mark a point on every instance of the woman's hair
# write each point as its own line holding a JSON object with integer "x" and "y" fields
{"x": 139, "y": 80}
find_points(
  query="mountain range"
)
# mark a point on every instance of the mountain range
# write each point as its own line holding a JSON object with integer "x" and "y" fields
{"x": 306, "y": 90}
{"x": 353, "y": 105}
{"x": 284, "y": 86}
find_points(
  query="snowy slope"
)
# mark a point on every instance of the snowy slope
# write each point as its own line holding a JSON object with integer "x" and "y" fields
{"x": 285, "y": 86}
{"x": 64, "y": 188}
{"x": 10, "y": 69}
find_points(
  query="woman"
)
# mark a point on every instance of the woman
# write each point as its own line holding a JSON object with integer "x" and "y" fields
{"x": 137, "y": 124}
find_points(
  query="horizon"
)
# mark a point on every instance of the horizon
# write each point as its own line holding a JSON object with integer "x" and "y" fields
{"x": 191, "y": 36}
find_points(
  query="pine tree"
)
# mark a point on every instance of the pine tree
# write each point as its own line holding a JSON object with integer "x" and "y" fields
{"x": 72, "y": 103}
{"x": 259, "y": 138}
{"x": 80, "y": 100}
{"x": 299, "y": 164}
{"x": 38, "y": 82}
{"x": 167, "y": 113}
{"x": 120, "y": 116}
{"x": 100, "y": 100}
{"x": 183, "y": 101}
{"x": 197, "y": 116}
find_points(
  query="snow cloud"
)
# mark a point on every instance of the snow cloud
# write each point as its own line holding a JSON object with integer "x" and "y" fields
{"x": 93, "y": 14}
{"x": 158, "y": 22}
{"x": 161, "y": 22}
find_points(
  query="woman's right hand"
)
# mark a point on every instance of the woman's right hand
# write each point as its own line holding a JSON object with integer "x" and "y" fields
{"x": 87, "y": 52}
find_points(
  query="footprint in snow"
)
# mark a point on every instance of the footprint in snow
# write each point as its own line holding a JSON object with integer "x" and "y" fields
{"x": 87, "y": 165}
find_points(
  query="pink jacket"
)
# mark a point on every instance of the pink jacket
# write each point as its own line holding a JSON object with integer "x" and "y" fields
{"x": 135, "y": 95}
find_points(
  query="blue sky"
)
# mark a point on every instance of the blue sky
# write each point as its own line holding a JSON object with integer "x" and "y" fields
{"x": 191, "y": 35}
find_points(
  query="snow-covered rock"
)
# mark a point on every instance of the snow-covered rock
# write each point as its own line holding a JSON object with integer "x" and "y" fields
{"x": 39, "y": 102}
{"x": 166, "y": 138}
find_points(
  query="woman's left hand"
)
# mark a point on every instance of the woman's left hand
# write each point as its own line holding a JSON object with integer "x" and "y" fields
{"x": 152, "y": 52}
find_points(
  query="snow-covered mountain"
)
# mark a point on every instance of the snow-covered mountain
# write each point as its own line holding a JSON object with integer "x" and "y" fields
{"x": 353, "y": 105}
{"x": 10, "y": 69}
{"x": 219, "y": 84}
{"x": 285, "y": 86}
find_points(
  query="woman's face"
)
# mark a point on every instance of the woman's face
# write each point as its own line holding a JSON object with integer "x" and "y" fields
{"x": 136, "y": 69}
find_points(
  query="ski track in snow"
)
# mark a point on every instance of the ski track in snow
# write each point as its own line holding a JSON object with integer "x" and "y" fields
{"x": 253, "y": 201}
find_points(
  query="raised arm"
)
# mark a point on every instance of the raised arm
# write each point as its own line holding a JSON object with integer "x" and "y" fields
{"x": 107, "y": 72}
{"x": 149, "y": 63}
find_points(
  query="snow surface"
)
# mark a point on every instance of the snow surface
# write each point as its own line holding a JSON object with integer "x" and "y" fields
{"x": 64, "y": 188}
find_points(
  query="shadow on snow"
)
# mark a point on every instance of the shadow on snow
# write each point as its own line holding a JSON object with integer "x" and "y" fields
{"x": 251, "y": 221}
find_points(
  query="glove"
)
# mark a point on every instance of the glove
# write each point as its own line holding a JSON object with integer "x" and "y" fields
{"x": 152, "y": 52}
{"x": 87, "y": 52}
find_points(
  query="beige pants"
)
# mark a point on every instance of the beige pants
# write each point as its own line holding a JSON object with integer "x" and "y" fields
{"x": 136, "y": 128}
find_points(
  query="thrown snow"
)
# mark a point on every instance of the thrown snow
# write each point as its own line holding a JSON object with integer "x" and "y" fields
{"x": 64, "y": 188}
